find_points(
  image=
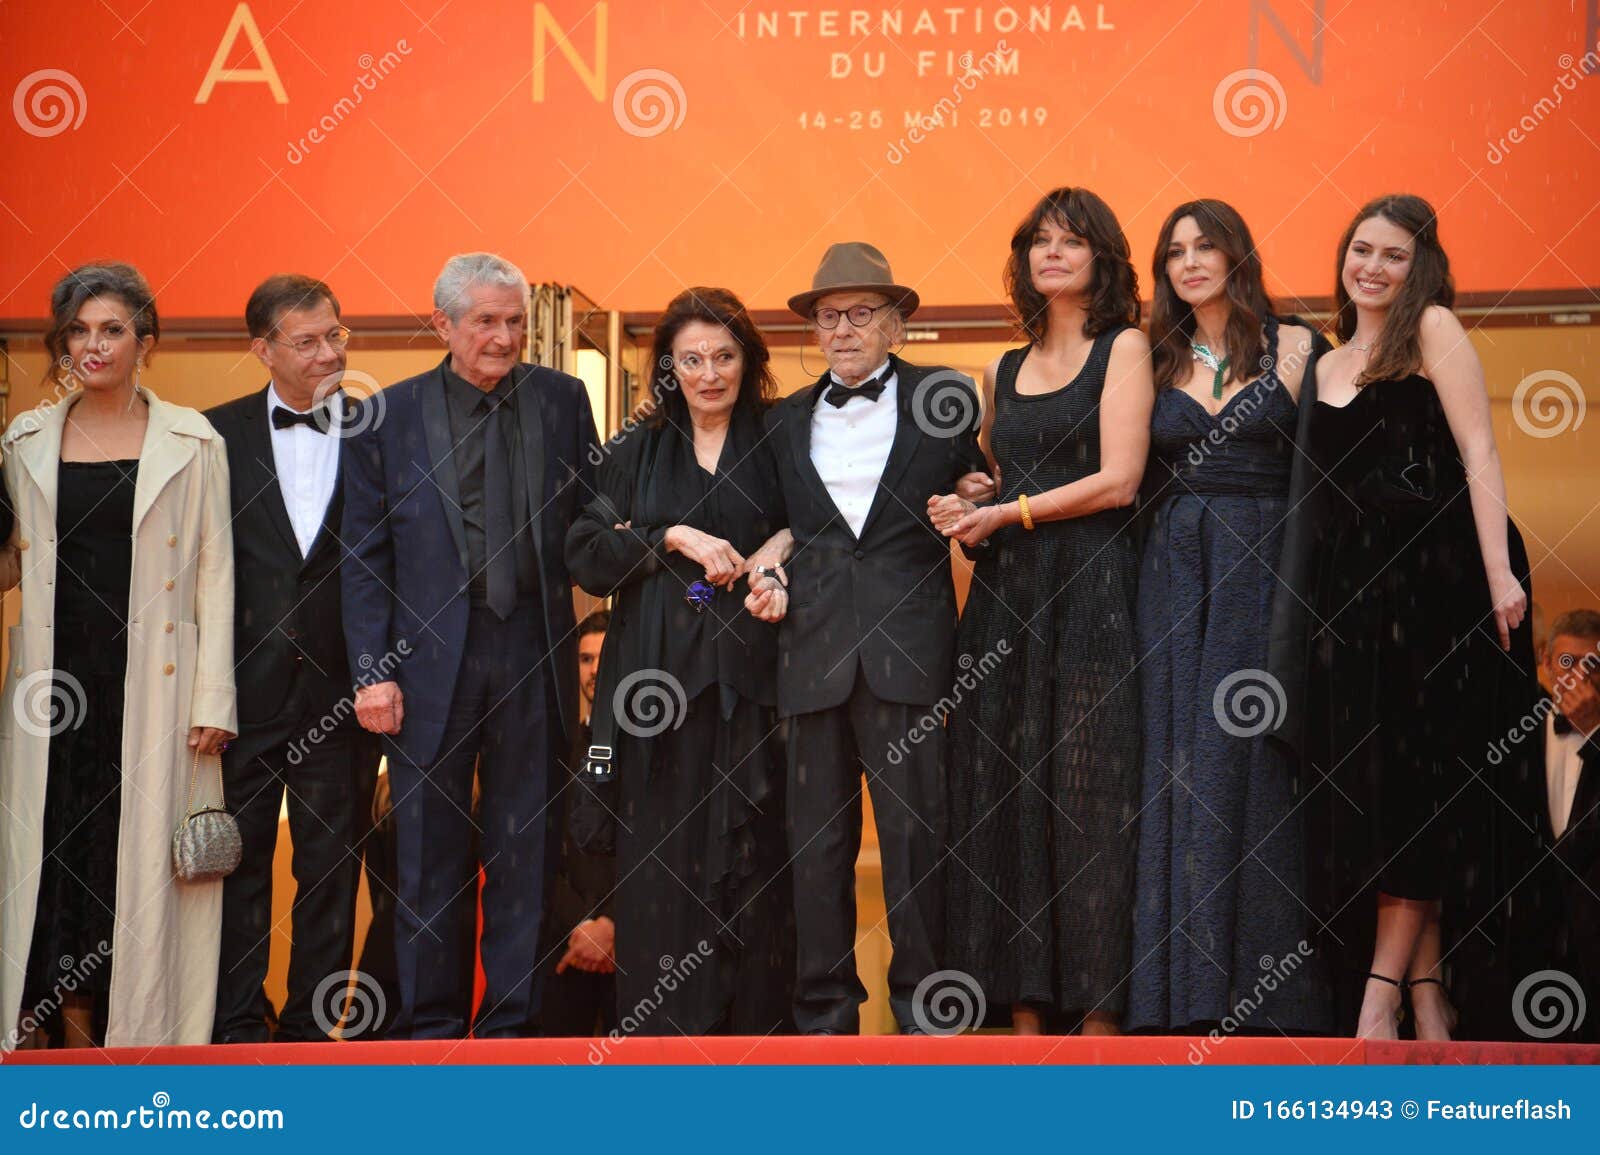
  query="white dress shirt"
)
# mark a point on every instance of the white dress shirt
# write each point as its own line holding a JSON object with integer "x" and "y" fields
{"x": 850, "y": 446}
{"x": 307, "y": 464}
{"x": 1562, "y": 765}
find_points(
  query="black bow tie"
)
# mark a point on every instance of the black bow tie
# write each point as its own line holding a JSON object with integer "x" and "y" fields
{"x": 871, "y": 389}
{"x": 319, "y": 418}
{"x": 1562, "y": 723}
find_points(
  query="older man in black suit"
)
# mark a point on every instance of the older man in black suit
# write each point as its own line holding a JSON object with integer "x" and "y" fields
{"x": 457, "y": 502}
{"x": 868, "y": 643}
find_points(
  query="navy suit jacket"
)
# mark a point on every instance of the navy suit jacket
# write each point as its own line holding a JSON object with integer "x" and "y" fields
{"x": 405, "y": 554}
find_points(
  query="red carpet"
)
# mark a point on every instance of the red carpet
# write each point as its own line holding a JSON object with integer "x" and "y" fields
{"x": 891, "y": 1049}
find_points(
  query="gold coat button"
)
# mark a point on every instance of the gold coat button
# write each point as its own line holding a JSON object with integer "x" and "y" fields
{"x": 171, "y": 584}
{"x": 172, "y": 539}
{"x": 169, "y": 627}
{"x": 168, "y": 668}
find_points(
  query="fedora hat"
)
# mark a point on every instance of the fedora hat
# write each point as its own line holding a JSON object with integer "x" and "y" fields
{"x": 854, "y": 267}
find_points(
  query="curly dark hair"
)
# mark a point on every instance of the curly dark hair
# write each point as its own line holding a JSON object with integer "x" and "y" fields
{"x": 101, "y": 279}
{"x": 1114, "y": 288}
{"x": 757, "y": 385}
{"x": 1172, "y": 321}
{"x": 1398, "y": 349}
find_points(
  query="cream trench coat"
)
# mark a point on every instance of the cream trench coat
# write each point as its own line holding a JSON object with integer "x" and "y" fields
{"x": 180, "y": 674}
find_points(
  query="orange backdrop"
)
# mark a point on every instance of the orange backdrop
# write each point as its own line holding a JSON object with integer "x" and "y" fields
{"x": 635, "y": 146}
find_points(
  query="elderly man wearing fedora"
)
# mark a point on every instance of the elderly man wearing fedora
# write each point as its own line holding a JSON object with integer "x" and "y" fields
{"x": 868, "y": 643}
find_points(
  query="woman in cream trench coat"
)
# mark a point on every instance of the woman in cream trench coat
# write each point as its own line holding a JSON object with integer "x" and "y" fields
{"x": 180, "y": 674}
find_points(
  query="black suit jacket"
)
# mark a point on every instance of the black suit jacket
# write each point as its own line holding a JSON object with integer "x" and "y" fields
{"x": 405, "y": 574}
{"x": 1577, "y": 865}
{"x": 286, "y": 611}
{"x": 884, "y": 601}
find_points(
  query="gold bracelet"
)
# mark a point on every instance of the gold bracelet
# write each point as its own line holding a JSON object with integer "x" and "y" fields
{"x": 1022, "y": 506}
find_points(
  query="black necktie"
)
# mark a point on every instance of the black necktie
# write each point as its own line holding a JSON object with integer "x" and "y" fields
{"x": 317, "y": 418}
{"x": 871, "y": 389}
{"x": 500, "y": 580}
{"x": 1562, "y": 724}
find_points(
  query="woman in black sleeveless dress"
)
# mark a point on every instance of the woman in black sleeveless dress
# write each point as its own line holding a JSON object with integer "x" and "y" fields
{"x": 1420, "y": 651}
{"x": 1043, "y": 768}
{"x": 83, "y": 793}
{"x": 1220, "y": 932}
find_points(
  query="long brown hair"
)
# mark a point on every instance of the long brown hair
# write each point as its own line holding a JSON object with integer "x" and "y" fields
{"x": 1114, "y": 287}
{"x": 1172, "y": 319}
{"x": 1398, "y": 349}
{"x": 715, "y": 307}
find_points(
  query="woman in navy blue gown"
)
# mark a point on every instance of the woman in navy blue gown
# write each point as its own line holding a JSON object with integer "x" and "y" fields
{"x": 1220, "y": 924}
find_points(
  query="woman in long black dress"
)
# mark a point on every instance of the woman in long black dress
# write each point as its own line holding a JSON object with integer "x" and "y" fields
{"x": 1220, "y": 927}
{"x": 1420, "y": 649}
{"x": 1044, "y": 771}
{"x": 689, "y": 505}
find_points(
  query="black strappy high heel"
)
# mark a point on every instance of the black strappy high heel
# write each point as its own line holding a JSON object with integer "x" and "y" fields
{"x": 1452, "y": 1017}
{"x": 1400, "y": 1011}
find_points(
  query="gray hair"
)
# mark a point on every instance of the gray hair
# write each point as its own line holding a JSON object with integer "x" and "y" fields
{"x": 465, "y": 270}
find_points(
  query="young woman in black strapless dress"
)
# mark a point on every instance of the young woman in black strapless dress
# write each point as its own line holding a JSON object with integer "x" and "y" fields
{"x": 1419, "y": 650}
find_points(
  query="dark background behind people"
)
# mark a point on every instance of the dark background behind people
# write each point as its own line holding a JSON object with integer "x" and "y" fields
{"x": 577, "y": 946}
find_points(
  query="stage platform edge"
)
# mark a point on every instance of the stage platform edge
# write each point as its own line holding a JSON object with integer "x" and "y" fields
{"x": 891, "y": 1050}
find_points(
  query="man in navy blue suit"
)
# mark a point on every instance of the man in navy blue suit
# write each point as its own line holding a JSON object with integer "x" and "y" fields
{"x": 459, "y": 625}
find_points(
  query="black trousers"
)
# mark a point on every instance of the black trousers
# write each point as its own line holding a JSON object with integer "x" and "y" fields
{"x": 499, "y": 724}
{"x": 329, "y": 785}
{"x": 829, "y": 751}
